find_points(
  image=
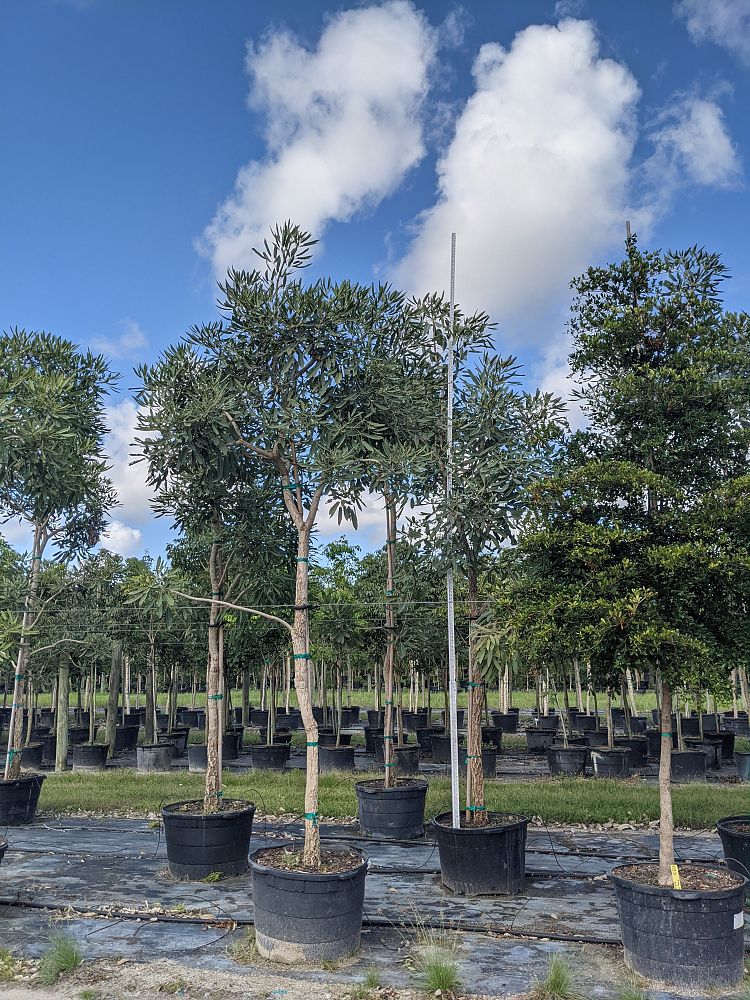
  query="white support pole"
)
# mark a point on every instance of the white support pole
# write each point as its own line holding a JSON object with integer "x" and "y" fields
{"x": 452, "y": 685}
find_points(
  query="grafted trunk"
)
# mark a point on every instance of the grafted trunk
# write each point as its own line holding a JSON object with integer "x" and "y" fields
{"x": 666, "y": 822}
{"x": 61, "y": 712}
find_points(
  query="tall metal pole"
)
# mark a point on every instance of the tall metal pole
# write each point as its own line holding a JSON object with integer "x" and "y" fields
{"x": 452, "y": 685}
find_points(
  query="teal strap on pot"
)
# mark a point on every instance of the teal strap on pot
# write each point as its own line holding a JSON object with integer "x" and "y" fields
{"x": 312, "y": 744}
{"x": 667, "y": 734}
{"x": 215, "y": 697}
{"x": 313, "y": 817}
{"x": 476, "y": 808}
{"x": 302, "y": 656}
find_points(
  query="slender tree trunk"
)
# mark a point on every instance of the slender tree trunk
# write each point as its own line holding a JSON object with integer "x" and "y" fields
{"x": 744, "y": 688}
{"x": 92, "y": 703}
{"x": 476, "y": 813}
{"x": 112, "y": 697}
{"x": 610, "y": 724}
{"x": 61, "y": 712}
{"x": 214, "y": 694}
{"x": 579, "y": 690}
{"x": 150, "y": 721}
{"x": 390, "y": 632}
{"x": 666, "y": 822}
{"x": 735, "y": 707}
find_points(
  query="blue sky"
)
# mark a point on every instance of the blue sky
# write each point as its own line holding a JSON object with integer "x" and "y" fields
{"x": 146, "y": 144}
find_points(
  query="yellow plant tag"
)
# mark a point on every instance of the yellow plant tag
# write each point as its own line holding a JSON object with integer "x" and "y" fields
{"x": 676, "y": 877}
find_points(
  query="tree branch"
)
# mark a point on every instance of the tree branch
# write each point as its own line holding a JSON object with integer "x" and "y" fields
{"x": 233, "y": 607}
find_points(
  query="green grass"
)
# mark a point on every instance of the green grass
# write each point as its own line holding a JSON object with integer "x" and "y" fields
{"x": 439, "y": 971}
{"x": 558, "y": 984}
{"x": 61, "y": 956}
{"x": 631, "y": 992}
{"x": 557, "y": 800}
{"x": 8, "y": 965}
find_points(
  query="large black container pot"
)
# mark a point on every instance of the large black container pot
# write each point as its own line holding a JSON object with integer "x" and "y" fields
{"x": 77, "y": 734}
{"x": 90, "y": 756}
{"x": 329, "y": 739}
{"x": 482, "y": 861}
{"x": 126, "y": 738}
{"x": 638, "y": 746}
{"x": 742, "y": 760}
{"x": 506, "y": 722}
{"x": 46, "y": 717}
{"x": 371, "y": 732}
{"x": 684, "y": 937}
{"x": 49, "y": 748}
{"x": 259, "y": 717}
{"x": 193, "y": 718}
{"x": 460, "y": 713}
{"x": 135, "y": 717}
{"x": 597, "y": 738}
{"x": 280, "y": 736}
{"x": 424, "y": 739}
{"x": 727, "y": 744}
{"x": 414, "y": 720}
{"x": 740, "y": 726}
{"x": 493, "y": 735}
{"x": 307, "y": 916}
{"x": 548, "y": 722}
{"x": 31, "y": 755}
{"x": 734, "y": 832}
{"x": 440, "y": 749}
{"x": 197, "y": 758}
{"x": 406, "y": 759}
{"x": 153, "y": 757}
{"x": 335, "y": 758}
{"x": 162, "y": 722}
{"x": 653, "y": 742}
{"x": 375, "y": 717}
{"x": 19, "y": 798}
{"x": 711, "y": 748}
{"x": 709, "y": 722}
{"x": 690, "y": 727}
{"x": 199, "y": 843}
{"x": 391, "y": 813}
{"x": 489, "y": 761}
{"x": 269, "y": 757}
{"x": 637, "y": 724}
{"x": 688, "y": 765}
{"x": 586, "y": 723}
{"x": 611, "y": 763}
{"x": 539, "y": 740}
{"x": 570, "y": 761}
{"x": 230, "y": 745}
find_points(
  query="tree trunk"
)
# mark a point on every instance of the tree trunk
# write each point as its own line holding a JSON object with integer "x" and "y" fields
{"x": 744, "y": 688}
{"x": 150, "y": 721}
{"x": 476, "y": 813}
{"x": 666, "y": 823}
{"x": 390, "y": 632}
{"x": 246, "y": 696}
{"x": 579, "y": 691}
{"x": 214, "y": 694}
{"x": 61, "y": 712}
{"x": 610, "y": 724}
{"x": 92, "y": 703}
{"x": 112, "y": 697}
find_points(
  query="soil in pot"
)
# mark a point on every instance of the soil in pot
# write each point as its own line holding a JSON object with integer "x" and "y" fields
{"x": 269, "y": 757}
{"x": 570, "y": 761}
{"x": 688, "y": 765}
{"x": 153, "y": 757}
{"x": 689, "y": 937}
{"x": 200, "y": 843}
{"x": 734, "y": 832}
{"x": 90, "y": 756}
{"x": 391, "y": 813}
{"x": 308, "y": 916}
{"x": 611, "y": 763}
{"x": 332, "y": 758}
{"x": 19, "y": 798}
{"x": 482, "y": 861}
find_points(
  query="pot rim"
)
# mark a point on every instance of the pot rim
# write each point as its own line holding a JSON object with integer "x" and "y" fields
{"x": 474, "y": 831}
{"x": 316, "y": 876}
{"x": 665, "y": 890}
{"x": 167, "y": 811}
{"x": 410, "y": 784}
{"x": 29, "y": 776}
{"x": 721, "y": 824}
{"x": 613, "y": 750}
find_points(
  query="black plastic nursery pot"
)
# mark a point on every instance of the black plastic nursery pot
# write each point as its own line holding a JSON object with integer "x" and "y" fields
{"x": 482, "y": 861}
{"x": 711, "y": 748}
{"x": 688, "y": 765}
{"x": 638, "y": 746}
{"x": 391, "y": 813}
{"x": 683, "y": 937}
{"x": 77, "y": 734}
{"x": 269, "y": 756}
{"x": 489, "y": 761}
{"x": 727, "y": 744}
{"x": 197, "y": 758}
{"x": 375, "y": 717}
{"x": 739, "y": 726}
{"x": 653, "y": 742}
{"x": 371, "y": 732}
{"x": 506, "y": 722}
{"x": 19, "y": 798}
{"x": 734, "y": 832}
{"x": 200, "y": 843}
{"x": 307, "y": 916}
{"x": 335, "y": 758}
{"x": 742, "y": 760}
{"x": 548, "y": 722}
{"x": 539, "y": 740}
{"x": 259, "y": 717}
{"x": 153, "y": 757}
{"x": 49, "y": 748}
{"x": 31, "y": 755}
{"x": 329, "y": 739}
{"x": 637, "y": 724}
{"x": 90, "y": 756}
{"x": 440, "y": 748}
{"x": 690, "y": 727}
{"x": 406, "y": 759}
{"x": 586, "y": 723}
{"x": 569, "y": 760}
{"x": 126, "y": 738}
{"x": 596, "y": 738}
{"x": 230, "y": 749}
{"x": 46, "y": 717}
{"x": 493, "y": 735}
{"x": 613, "y": 763}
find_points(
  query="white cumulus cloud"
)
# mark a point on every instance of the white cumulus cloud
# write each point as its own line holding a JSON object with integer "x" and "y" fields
{"x": 129, "y": 480}
{"x": 343, "y": 125}
{"x": 535, "y": 180}
{"x": 723, "y": 22}
{"x": 693, "y": 144}
{"x": 121, "y": 538}
{"x": 128, "y": 343}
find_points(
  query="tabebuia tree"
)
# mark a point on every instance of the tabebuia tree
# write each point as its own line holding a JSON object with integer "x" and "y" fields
{"x": 633, "y": 525}
{"x": 52, "y": 468}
